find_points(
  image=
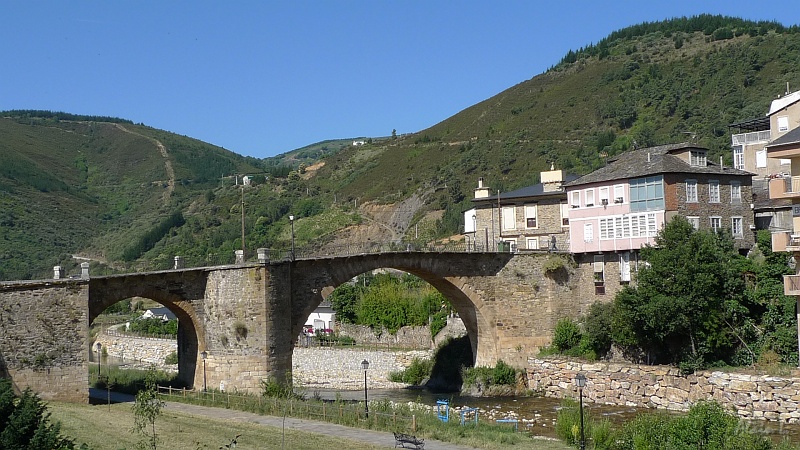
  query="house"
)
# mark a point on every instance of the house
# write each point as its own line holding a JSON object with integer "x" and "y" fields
{"x": 323, "y": 317}
{"x": 749, "y": 146}
{"x": 158, "y": 313}
{"x": 619, "y": 208}
{"x": 531, "y": 218}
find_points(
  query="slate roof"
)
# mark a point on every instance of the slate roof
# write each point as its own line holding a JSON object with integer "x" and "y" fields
{"x": 791, "y": 137}
{"x": 636, "y": 164}
{"x": 536, "y": 190}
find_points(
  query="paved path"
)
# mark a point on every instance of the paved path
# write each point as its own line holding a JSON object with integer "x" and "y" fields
{"x": 377, "y": 438}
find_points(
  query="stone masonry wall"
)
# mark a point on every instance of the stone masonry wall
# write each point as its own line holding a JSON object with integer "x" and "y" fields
{"x": 753, "y": 396}
{"x": 146, "y": 350}
{"x": 406, "y": 337}
{"x": 43, "y": 346}
{"x": 236, "y": 330}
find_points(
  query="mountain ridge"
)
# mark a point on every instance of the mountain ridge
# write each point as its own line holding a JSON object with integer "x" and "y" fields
{"x": 90, "y": 188}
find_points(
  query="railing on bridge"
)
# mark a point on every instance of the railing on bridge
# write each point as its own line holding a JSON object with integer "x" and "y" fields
{"x": 283, "y": 254}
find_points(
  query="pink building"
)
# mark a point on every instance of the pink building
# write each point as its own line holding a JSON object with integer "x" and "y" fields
{"x": 619, "y": 208}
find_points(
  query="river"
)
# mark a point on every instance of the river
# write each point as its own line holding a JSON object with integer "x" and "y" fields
{"x": 536, "y": 414}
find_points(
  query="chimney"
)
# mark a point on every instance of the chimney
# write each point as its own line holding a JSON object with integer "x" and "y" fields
{"x": 58, "y": 272}
{"x": 239, "y": 256}
{"x": 481, "y": 191}
{"x": 85, "y": 270}
{"x": 552, "y": 179}
{"x": 178, "y": 263}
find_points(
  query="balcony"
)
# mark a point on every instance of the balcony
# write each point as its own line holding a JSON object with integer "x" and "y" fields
{"x": 791, "y": 285}
{"x": 785, "y": 187}
{"x": 750, "y": 138}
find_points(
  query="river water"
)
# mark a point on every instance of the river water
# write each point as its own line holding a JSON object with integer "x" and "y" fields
{"x": 536, "y": 414}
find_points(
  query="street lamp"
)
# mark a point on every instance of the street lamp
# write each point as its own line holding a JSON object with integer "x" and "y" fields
{"x": 204, "y": 355}
{"x": 98, "y": 346}
{"x": 291, "y": 220}
{"x": 365, "y": 366}
{"x": 580, "y": 381}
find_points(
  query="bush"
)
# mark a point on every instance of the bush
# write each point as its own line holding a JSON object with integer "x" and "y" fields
{"x": 504, "y": 374}
{"x": 172, "y": 358}
{"x": 566, "y": 335}
{"x": 415, "y": 373}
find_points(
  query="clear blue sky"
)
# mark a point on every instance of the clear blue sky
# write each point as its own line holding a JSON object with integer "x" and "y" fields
{"x": 263, "y": 77}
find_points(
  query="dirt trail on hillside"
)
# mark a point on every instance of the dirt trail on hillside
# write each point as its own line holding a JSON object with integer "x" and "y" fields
{"x": 167, "y": 163}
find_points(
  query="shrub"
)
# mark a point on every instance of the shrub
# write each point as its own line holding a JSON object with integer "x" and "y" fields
{"x": 566, "y": 335}
{"x": 172, "y": 358}
{"x": 504, "y": 374}
{"x": 415, "y": 373}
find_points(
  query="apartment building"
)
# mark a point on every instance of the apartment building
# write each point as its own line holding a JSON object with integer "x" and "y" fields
{"x": 772, "y": 181}
{"x": 619, "y": 208}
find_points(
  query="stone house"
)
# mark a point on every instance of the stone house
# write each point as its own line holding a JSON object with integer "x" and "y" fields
{"x": 619, "y": 208}
{"x": 527, "y": 219}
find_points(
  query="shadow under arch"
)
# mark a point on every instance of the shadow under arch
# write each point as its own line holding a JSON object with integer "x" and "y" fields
{"x": 453, "y": 284}
{"x": 104, "y": 292}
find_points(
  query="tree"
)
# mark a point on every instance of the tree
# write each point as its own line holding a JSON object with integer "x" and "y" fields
{"x": 25, "y": 422}
{"x": 146, "y": 410}
{"x": 344, "y": 300}
{"x": 689, "y": 295}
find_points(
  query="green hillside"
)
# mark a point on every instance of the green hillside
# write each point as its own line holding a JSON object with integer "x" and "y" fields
{"x": 129, "y": 197}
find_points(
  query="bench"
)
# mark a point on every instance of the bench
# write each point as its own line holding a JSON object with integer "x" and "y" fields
{"x": 402, "y": 439}
{"x": 515, "y": 422}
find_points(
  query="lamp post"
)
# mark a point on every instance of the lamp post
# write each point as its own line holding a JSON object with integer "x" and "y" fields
{"x": 98, "y": 346}
{"x": 365, "y": 366}
{"x": 291, "y": 221}
{"x": 580, "y": 381}
{"x": 204, "y": 355}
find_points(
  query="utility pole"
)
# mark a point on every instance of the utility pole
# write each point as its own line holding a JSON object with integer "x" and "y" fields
{"x": 243, "y": 256}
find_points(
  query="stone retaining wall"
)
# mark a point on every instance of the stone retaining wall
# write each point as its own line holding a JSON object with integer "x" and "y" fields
{"x": 148, "y": 350}
{"x": 753, "y": 396}
{"x": 406, "y": 337}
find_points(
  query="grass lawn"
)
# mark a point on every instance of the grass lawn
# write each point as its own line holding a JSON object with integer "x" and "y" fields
{"x": 101, "y": 427}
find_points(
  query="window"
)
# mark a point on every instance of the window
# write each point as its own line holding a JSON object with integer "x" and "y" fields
{"x": 603, "y": 195}
{"x": 588, "y": 232}
{"x": 716, "y": 223}
{"x": 697, "y": 158}
{"x": 694, "y": 221}
{"x": 647, "y": 193}
{"x": 691, "y": 191}
{"x": 599, "y": 275}
{"x": 761, "y": 159}
{"x": 575, "y": 199}
{"x": 736, "y": 227}
{"x": 564, "y": 215}
{"x": 619, "y": 193}
{"x": 625, "y": 267}
{"x": 738, "y": 157}
{"x": 509, "y": 218}
{"x": 530, "y": 216}
{"x": 783, "y": 123}
{"x": 713, "y": 191}
{"x": 628, "y": 226}
{"x": 532, "y": 243}
{"x": 736, "y": 192}
{"x": 590, "y": 197}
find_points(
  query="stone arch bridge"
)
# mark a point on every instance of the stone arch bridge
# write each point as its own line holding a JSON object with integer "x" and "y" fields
{"x": 247, "y": 317}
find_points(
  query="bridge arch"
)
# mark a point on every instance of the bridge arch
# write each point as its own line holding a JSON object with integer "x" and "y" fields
{"x": 177, "y": 291}
{"x": 457, "y": 276}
